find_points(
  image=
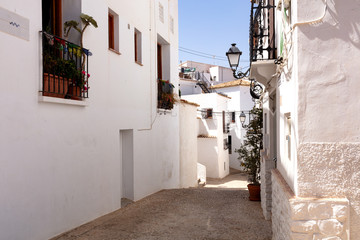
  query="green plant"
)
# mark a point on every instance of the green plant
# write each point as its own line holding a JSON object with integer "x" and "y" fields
{"x": 166, "y": 96}
{"x": 87, "y": 21}
{"x": 50, "y": 63}
{"x": 249, "y": 151}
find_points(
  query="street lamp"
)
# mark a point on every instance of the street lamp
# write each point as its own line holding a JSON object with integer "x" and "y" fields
{"x": 233, "y": 56}
{"x": 242, "y": 118}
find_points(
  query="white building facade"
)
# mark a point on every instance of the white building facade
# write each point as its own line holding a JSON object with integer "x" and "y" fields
{"x": 309, "y": 121}
{"x": 240, "y": 101}
{"x": 64, "y": 161}
{"x": 191, "y": 73}
{"x": 212, "y": 136}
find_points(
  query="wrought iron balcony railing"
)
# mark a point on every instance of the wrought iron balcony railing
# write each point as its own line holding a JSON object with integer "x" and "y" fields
{"x": 65, "y": 69}
{"x": 262, "y": 30}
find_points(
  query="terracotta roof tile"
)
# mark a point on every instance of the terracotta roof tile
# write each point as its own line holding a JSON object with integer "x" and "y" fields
{"x": 239, "y": 82}
{"x": 190, "y": 103}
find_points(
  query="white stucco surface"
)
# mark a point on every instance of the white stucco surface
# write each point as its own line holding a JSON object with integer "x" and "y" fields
{"x": 240, "y": 101}
{"x": 211, "y": 152}
{"x": 188, "y": 86}
{"x": 317, "y": 88}
{"x": 188, "y": 145}
{"x": 332, "y": 169}
{"x": 62, "y": 163}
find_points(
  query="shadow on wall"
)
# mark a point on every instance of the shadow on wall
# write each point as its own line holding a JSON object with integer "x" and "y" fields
{"x": 209, "y": 125}
{"x": 343, "y": 20}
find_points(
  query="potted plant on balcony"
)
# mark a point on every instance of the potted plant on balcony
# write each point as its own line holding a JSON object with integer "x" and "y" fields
{"x": 57, "y": 74}
{"x": 249, "y": 153}
{"x": 166, "y": 96}
{"x": 79, "y": 83}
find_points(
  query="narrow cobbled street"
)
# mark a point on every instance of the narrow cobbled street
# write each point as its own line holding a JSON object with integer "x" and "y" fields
{"x": 220, "y": 210}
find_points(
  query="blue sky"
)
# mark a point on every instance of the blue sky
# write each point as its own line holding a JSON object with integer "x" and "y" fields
{"x": 210, "y": 26}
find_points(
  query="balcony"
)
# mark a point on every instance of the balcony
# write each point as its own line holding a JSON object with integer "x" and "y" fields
{"x": 166, "y": 98}
{"x": 262, "y": 30}
{"x": 65, "y": 69}
{"x": 262, "y": 41}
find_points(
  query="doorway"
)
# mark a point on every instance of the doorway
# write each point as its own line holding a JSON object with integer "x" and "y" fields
{"x": 127, "y": 164}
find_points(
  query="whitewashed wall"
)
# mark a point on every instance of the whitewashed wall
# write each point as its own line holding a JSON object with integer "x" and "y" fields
{"x": 200, "y": 67}
{"x": 320, "y": 93}
{"x": 221, "y": 74}
{"x": 188, "y": 145}
{"x": 240, "y": 101}
{"x": 189, "y": 87}
{"x": 62, "y": 163}
{"x": 211, "y": 152}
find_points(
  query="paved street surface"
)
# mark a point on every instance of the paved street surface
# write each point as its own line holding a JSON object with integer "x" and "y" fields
{"x": 220, "y": 210}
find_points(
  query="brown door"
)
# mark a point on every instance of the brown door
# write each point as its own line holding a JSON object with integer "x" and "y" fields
{"x": 159, "y": 62}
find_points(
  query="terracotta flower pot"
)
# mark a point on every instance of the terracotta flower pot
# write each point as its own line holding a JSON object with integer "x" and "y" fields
{"x": 55, "y": 86}
{"x": 254, "y": 191}
{"x": 74, "y": 92}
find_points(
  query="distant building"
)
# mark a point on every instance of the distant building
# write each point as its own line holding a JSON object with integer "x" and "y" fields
{"x": 240, "y": 101}
{"x": 212, "y": 135}
{"x": 191, "y": 73}
{"x": 197, "y": 83}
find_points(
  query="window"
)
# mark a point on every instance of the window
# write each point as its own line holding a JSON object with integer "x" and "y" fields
{"x": 206, "y": 113}
{"x": 161, "y": 13}
{"x": 209, "y": 113}
{"x": 229, "y": 144}
{"x": 265, "y": 123}
{"x": 137, "y": 46}
{"x": 52, "y": 17}
{"x": 233, "y": 117}
{"x": 65, "y": 70}
{"x": 163, "y": 58}
{"x": 113, "y": 31}
{"x": 223, "y": 122}
{"x": 159, "y": 61}
{"x": 165, "y": 87}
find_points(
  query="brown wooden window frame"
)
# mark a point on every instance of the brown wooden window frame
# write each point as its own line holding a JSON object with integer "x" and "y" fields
{"x": 54, "y": 8}
{"x": 111, "y": 22}
{"x": 137, "y": 46}
{"x": 159, "y": 61}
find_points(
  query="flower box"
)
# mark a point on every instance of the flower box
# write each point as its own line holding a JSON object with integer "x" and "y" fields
{"x": 55, "y": 86}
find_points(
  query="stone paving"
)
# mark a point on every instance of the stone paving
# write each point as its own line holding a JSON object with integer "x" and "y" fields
{"x": 220, "y": 210}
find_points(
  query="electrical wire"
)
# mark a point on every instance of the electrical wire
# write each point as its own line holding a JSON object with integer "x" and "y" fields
{"x": 318, "y": 20}
{"x": 226, "y": 112}
{"x": 205, "y": 55}
{"x": 212, "y": 55}
{"x": 289, "y": 42}
{"x": 196, "y": 54}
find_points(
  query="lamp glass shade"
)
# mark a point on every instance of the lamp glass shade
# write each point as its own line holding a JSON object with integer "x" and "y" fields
{"x": 233, "y": 56}
{"x": 242, "y": 118}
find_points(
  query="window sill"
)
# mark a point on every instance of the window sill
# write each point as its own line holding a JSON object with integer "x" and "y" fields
{"x": 139, "y": 63}
{"x": 45, "y": 99}
{"x": 114, "y": 51}
{"x": 164, "y": 111}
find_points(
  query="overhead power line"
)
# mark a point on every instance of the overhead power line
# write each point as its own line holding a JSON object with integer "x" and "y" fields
{"x": 211, "y": 55}
{"x": 200, "y": 55}
{"x": 205, "y": 55}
